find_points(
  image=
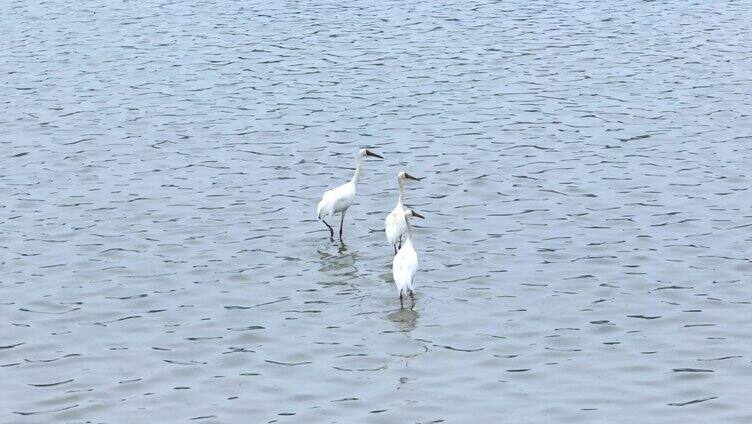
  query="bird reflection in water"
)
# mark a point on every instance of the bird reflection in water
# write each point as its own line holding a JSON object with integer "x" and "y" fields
{"x": 404, "y": 319}
{"x": 340, "y": 269}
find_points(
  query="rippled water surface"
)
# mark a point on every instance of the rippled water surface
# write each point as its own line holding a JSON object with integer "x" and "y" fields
{"x": 585, "y": 256}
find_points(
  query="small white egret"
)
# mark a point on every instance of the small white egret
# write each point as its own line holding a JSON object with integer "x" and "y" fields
{"x": 337, "y": 200}
{"x": 405, "y": 263}
{"x": 394, "y": 225}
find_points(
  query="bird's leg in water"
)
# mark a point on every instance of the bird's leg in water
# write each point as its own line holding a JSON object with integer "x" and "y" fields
{"x": 401, "y": 305}
{"x": 341, "y": 224}
{"x": 395, "y": 248}
{"x": 412, "y": 298}
{"x": 331, "y": 230}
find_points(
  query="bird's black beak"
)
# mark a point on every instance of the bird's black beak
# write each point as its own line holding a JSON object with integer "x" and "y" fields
{"x": 410, "y": 177}
{"x": 417, "y": 215}
{"x": 370, "y": 153}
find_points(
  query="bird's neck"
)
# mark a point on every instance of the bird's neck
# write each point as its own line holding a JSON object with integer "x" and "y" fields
{"x": 409, "y": 232}
{"x": 356, "y": 175}
{"x": 401, "y": 188}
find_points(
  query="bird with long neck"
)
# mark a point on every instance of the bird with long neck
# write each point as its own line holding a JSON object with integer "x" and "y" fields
{"x": 339, "y": 199}
{"x": 358, "y": 167}
{"x": 395, "y": 225}
{"x": 405, "y": 263}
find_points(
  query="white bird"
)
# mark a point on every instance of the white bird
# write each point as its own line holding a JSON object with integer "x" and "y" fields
{"x": 337, "y": 200}
{"x": 405, "y": 263}
{"x": 394, "y": 225}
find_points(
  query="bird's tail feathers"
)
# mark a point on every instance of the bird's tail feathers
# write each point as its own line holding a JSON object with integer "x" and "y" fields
{"x": 318, "y": 209}
{"x": 321, "y": 211}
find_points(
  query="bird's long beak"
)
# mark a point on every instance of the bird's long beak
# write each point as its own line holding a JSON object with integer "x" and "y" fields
{"x": 417, "y": 215}
{"x": 370, "y": 153}
{"x": 410, "y": 177}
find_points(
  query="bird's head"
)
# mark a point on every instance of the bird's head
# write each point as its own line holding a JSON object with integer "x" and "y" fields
{"x": 405, "y": 176}
{"x": 411, "y": 213}
{"x": 365, "y": 152}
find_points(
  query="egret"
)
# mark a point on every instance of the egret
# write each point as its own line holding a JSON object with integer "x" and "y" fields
{"x": 338, "y": 200}
{"x": 395, "y": 222}
{"x": 405, "y": 263}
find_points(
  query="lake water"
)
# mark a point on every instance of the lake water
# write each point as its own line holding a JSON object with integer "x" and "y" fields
{"x": 585, "y": 256}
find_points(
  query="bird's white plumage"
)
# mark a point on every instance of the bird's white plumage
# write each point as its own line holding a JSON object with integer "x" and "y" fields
{"x": 405, "y": 262}
{"x": 339, "y": 199}
{"x": 394, "y": 225}
{"x": 336, "y": 200}
{"x": 404, "y": 267}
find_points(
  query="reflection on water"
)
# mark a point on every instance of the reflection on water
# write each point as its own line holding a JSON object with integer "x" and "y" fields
{"x": 404, "y": 319}
{"x": 341, "y": 265}
{"x": 586, "y": 256}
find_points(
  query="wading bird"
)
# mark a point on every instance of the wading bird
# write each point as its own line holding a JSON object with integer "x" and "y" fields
{"x": 394, "y": 225}
{"x": 405, "y": 263}
{"x": 337, "y": 200}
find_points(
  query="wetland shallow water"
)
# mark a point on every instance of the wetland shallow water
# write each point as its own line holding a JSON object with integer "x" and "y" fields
{"x": 585, "y": 256}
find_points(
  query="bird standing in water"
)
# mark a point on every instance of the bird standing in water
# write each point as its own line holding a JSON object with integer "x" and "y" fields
{"x": 394, "y": 225}
{"x": 405, "y": 263}
{"x": 338, "y": 200}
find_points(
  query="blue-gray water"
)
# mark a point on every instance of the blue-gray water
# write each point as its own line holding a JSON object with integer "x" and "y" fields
{"x": 585, "y": 256}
